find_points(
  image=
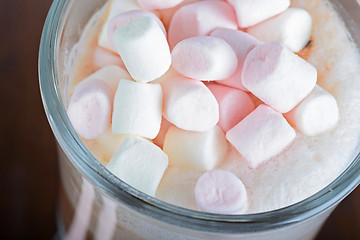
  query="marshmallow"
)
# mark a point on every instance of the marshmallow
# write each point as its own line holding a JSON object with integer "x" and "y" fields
{"x": 242, "y": 43}
{"x": 316, "y": 114}
{"x": 116, "y": 7}
{"x": 177, "y": 187}
{"x": 103, "y": 58}
{"x": 204, "y": 58}
{"x": 234, "y": 105}
{"x": 109, "y": 143}
{"x": 165, "y": 125}
{"x": 199, "y": 19}
{"x": 292, "y": 28}
{"x": 197, "y": 150}
{"x": 89, "y": 109}
{"x": 111, "y": 75}
{"x": 137, "y": 109}
{"x": 123, "y": 18}
{"x": 252, "y": 12}
{"x": 220, "y": 191}
{"x": 263, "y": 134}
{"x": 190, "y": 105}
{"x": 158, "y": 4}
{"x": 167, "y": 14}
{"x": 144, "y": 49}
{"x": 277, "y": 76}
{"x": 139, "y": 163}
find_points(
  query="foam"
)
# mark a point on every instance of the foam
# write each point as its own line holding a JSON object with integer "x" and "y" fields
{"x": 281, "y": 181}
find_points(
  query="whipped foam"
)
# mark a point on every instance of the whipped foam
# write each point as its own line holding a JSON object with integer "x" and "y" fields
{"x": 309, "y": 163}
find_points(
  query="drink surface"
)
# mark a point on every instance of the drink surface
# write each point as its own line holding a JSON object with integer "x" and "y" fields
{"x": 308, "y": 164}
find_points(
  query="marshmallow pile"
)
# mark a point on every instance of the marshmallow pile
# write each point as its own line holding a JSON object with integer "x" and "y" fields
{"x": 179, "y": 90}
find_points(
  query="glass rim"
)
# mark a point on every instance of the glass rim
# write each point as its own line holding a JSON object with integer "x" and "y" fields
{"x": 140, "y": 202}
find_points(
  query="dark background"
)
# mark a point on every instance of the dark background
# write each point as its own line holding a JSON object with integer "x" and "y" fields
{"x": 28, "y": 170}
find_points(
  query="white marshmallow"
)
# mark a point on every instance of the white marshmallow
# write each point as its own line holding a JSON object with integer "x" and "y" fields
{"x": 177, "y": 187}
{"x": 242, "y": 43}
{"x": 277, "y": 76}
{"x": 116, "y": 7}
{"x": 143, "y": 48}
{"x": 316, "y": 114}
{"x": 292, "y": 28}
{"x": 90, "y": 107}
{"x": 204, "y": 58}
{"x": 125, "y": 17}
{"x": 251, "y": 12}
{"x": 109, "y": 143}
{"x": 263, "y": 134}
{"x": 139, "y": 163}
{"x": 158, "y": 4}
{"x": 165, "y": 125}
{"x": 137, "y": 109}
{"x": 197, "y": 150}
{"x": 190, "y": 105}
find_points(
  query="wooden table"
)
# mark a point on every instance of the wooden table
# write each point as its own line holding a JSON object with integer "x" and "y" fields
{"x": 29, "y": 171}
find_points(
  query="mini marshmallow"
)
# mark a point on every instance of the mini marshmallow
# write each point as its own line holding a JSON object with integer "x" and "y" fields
{"x": 277, "y": 76}
{"x": 143, "y": 48}
{"x": 139, "y": 163}
{"x": 292, "y": 28}
{"x": 234, "y": 105}
{"x": 89, "y": 109}
{"x": 123, "y": 18}
{"x": 165, "y": 125}
{"x": 110, "y": 143}
{"x": 252, "y": 12}
{"x": 167, "y": 14}
{"x": 190, "y": 105}
{"x": 197, "y": 150}
{"x": 199, "y": 19}
{"x": 111, "y": 75}
{"x": 116, "y": 7}
{"x": 220, "y": 191}
{"x": 242, "y": 43}
{"x": 103, "y": 58}
{"x": 263, "y": 134}
{"x": 204, "y": 58}
{"x": 316, "y": 114}
{"x": 158, "y": 4}
{"x": 137, "y": 109}
{"x": 177, "y": 187}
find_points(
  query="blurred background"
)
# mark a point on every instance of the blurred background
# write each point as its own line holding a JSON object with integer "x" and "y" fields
{"x": 29, "y": 171}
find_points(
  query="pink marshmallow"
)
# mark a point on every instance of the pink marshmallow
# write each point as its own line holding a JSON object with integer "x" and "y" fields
{"x": 199, "y": 19}
{"x": 263, "y": 134}
{"x": 90, "y": 108}
{"x": 234, "y": 105}
{"x": 167, "y": 14}
{"x": 220, "y": 191}
{"x": 277, "y": 76}
{"x": 204, "y": 58}
{"x": 123, "y": 18}
{"x": 158, "y": 4}
{"x": 242, "y": 43}
{"x": 103, "y": 58}
{"x": 251, "y": 12}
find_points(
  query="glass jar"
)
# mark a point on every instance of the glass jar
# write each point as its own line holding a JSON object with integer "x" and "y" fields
{"x": 93, "y": 203}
